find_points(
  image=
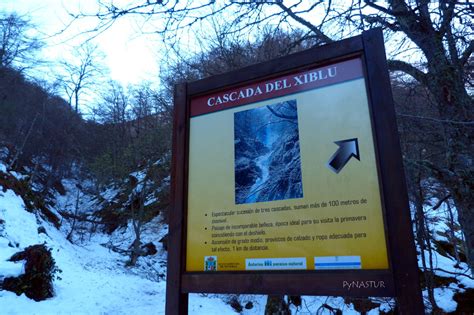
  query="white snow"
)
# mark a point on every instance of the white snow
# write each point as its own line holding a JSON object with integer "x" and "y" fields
{"x": 18, "y": 229}
{"x": 444, "y": 299}
{"x": 94, "y": 279}
{"x": 92, "y": 283}
{"x": 4, "y": 153}
{"x": 20, "y": 226}
{"x": 110, "y": 193}
{"x": 18, "y": 175}
{"x": 8, "y": 268}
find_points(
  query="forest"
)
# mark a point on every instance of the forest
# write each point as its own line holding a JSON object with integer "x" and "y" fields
{"x": 85, "y": 180}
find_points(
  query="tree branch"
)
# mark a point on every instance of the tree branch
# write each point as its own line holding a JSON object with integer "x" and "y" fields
{"x": 420, "y": 31}
{"x": 453, "y": 273}
{"x": 440, "y": 202}
{"x": 442, "y": 121}
{"x": 442, "y": 174}
{"x": 372, "y": 4}
{"x": 281, "y": 115}
{"x": 398, "y": 65}
{"x": 424, "y": 11}
{"x": 448, "y": 14}
{"x": 324, "y": 38}
{"x": 467, "y": 53}
{"x": 382, "y": 21}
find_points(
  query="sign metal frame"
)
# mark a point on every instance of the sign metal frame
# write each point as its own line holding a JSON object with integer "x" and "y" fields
{"x": 399, "y": 281}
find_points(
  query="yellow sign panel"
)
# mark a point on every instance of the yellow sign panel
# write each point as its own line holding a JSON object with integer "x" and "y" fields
{"x": 287, "y": 182}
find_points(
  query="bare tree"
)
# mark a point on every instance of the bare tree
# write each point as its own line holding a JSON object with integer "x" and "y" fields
{"x": 113, "y": 112}
{"x": 17, "y": 46}
{"x": 82, "y": 72}
{"x": 137, "y": 207}
{"x": 429, "y": 41}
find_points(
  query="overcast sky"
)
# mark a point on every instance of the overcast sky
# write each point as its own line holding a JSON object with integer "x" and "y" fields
{"x": 129, "y": 57}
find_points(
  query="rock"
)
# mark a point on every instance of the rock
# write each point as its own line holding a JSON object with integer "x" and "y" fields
{"x": 149, "y": 249}
{"x": 235, "y": 304}
{"x": 276, "y": 305}
{"x": 465, "y": 302}
{"x": 289, "y": 145}
{"x": 295, "y": 300}
{"x": 40, "y": 269}
{"x": 59, "y": 187}
{"x": 164, "y": 242}
{"x": 246, "y": 172}
{"x": 249, "y": 148}
{"x": 362, "y": 305}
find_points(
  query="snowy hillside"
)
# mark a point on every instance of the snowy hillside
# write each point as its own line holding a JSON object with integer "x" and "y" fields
{"x": 94, "y": 278}
{"x": 450, "y": 273}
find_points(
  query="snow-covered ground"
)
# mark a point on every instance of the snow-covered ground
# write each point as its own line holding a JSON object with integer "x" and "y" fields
{"x": 95, "y": 280}
{"x": 446, "y": 266}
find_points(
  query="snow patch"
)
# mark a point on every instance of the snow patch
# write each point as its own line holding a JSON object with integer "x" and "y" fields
{"x": 444, "y": 299}
{"x": 18, "y": 175}
{"x": 8, "y": 268}
{"x": 20, "y": 226}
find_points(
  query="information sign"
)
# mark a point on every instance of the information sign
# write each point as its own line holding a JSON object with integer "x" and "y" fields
{"x": 283, "y": 175}
{"x": 287, "y": 178}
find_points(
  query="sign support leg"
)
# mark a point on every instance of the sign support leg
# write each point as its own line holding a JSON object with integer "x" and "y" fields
{"x": 403, "y": 252}
{"x": 176, "y": 300}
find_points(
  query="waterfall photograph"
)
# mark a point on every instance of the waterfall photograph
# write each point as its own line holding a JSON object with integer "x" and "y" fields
{"x": 267, "y": 154}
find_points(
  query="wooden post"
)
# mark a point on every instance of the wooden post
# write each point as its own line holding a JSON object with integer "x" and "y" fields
{"x": 399, "y": 280}
{"x": 176, "y": 300}
{"x": 394, "y": 193}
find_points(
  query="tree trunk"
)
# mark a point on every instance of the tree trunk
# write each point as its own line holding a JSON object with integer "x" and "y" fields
{"x": 424, "y": 241}
{"x": 19, "y": 150}
{"x": 455, "y": 106}
{"x": 74, "y": 219}
{"x": 452, "y": 235}
{"x": 135, "y": 252}
{"x": 276, "y": 305}
{"x": 465, "y": 206}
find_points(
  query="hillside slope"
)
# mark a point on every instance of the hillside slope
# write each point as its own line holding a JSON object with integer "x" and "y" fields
{"x": 94, "y": 278}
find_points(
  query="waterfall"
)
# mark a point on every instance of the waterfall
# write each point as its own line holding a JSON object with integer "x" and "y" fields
{"x": 263, "y": 163}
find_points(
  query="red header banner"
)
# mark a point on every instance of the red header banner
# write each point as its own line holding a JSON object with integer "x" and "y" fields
{"x": 275, "y": 87}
